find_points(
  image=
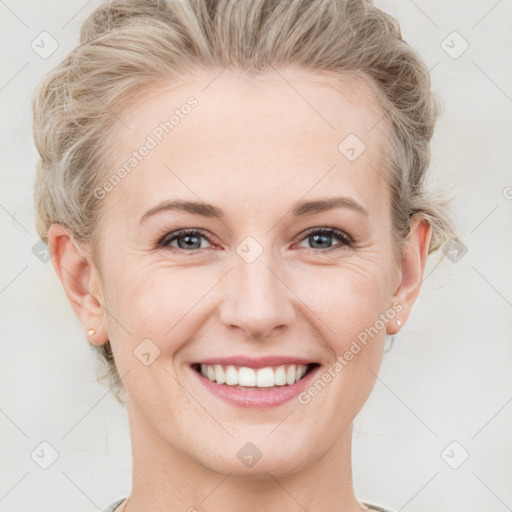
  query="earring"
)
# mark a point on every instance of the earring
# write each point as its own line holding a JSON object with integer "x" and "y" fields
{"x": 398, "y": 323}
{"x": 90, "y": 332}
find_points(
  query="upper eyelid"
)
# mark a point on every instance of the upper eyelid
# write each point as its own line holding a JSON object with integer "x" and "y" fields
{"x": 173, "y": 235}
{"x": 334, "y": 231}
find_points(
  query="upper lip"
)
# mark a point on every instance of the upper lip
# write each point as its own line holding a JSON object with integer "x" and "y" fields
{"x": 255, "y": 362}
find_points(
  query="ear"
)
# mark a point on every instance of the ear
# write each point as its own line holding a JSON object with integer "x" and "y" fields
{"x": 414, "y": 257}
{"x": 81, "y": 281}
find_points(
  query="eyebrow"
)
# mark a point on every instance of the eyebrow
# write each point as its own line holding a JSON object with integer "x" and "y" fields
{"x": 300, "y": 209}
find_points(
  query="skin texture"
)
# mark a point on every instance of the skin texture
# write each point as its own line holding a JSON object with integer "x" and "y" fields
{"x": 252, "y": 147}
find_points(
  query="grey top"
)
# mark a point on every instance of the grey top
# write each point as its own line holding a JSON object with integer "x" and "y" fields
{"x": 113, "y": 505}
{"x": 118, "y": 502}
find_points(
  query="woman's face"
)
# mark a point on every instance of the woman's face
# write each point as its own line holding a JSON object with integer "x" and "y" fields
{"x": 258, "y": 281}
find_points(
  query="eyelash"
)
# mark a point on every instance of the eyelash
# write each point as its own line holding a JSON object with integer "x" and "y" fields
{"x": 346, "y": 241}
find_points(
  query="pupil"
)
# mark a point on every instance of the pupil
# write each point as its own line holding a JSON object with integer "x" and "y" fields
{"x": 188, "y": 239}
{"x": 316, "y": 237}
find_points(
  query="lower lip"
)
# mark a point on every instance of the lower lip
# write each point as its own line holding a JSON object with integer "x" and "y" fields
{"x": 257, "y": 398}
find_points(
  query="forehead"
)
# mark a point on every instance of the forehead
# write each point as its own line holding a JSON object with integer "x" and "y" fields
{"x": 260, "y": 138}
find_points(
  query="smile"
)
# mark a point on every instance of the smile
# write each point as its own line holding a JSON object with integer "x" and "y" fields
{"x": 247, "y": 386}
{"x": 245, "y": 377}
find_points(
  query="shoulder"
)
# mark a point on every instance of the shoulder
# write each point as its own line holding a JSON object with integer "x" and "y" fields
{"x": 113, "y": 505}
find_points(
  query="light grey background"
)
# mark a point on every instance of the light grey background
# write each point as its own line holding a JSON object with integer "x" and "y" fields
{"x": 448, "y": 377}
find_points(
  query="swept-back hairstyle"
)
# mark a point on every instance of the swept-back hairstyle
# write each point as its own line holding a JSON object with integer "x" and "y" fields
{"x": 129, "y": 46}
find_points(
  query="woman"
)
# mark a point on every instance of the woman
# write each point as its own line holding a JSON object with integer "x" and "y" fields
{"x": 195, "y": 156}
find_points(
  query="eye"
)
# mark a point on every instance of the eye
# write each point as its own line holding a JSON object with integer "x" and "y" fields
{"x": 189, "y": 240}
{"x": 320, "y": 238}
{"x": 186, "y": 239}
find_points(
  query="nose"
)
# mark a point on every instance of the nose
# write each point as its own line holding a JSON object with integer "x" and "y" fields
{"x": 257, "y": 300}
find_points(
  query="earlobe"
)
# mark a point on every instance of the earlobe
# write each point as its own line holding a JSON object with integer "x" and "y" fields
{"x": 413, "y": 260}
{"x": 80, "y": 280}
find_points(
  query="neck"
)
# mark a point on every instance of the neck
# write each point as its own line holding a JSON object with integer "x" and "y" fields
{"x": 166, "y": 479}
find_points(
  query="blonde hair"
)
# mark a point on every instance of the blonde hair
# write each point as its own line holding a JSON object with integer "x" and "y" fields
{"x": 129, "y": 46}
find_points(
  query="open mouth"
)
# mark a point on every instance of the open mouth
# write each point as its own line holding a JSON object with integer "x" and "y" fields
{"x": 243, "y": 377}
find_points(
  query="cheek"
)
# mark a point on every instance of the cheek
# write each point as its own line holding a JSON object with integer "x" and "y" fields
{"x": 153, "y": 312}
{"x": 345, "y": 300}
{"x": 156, "y": 302}
{"x": 363, "y": 309}
{"x": 353, "y": 308}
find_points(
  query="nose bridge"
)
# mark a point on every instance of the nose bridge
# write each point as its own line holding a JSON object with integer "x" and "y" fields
{"x": 256, "y": 300}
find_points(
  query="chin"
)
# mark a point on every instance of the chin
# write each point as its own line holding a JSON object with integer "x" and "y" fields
{"x": 247, "y": 459}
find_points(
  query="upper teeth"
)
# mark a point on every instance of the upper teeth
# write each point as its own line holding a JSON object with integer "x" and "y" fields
{"x": 261, "y": 378}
